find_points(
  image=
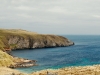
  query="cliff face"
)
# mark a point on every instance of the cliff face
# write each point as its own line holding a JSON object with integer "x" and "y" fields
{"x": 38, "y": 41}
{"x": 16, "y": 42}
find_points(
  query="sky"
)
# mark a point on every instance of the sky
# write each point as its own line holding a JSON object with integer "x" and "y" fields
{"x": 72, "y": 17}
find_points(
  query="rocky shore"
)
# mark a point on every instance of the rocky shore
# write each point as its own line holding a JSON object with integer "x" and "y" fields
{"x": 23, "y": 63}
{"x": 81, "y": 70}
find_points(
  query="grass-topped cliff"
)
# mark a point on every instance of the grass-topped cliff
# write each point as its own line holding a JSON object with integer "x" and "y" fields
{"x": 21, "y": 39}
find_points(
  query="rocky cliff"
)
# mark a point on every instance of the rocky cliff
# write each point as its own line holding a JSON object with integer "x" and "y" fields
{"x": 37, "y": 41}
{"x": 10, "y": 39}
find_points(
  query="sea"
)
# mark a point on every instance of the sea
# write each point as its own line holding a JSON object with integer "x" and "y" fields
{"x": 86, "y": 51}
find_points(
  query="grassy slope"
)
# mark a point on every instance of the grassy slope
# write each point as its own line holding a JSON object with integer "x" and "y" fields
{"x": 5, "y": 59}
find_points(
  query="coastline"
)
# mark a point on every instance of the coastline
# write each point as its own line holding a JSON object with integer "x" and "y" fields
{"x": 54, "y": 69}
{"x": 23, "y": 41}
{"x": 80, "y": 70}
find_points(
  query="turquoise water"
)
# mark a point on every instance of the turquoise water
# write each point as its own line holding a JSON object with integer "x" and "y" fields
{"x": 86, "y": 51}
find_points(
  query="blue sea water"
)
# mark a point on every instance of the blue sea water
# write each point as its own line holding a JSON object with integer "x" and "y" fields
{"x": 86, "y": 51}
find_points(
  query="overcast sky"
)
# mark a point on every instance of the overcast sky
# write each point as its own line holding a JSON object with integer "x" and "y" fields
{"x": 51, "y": 16}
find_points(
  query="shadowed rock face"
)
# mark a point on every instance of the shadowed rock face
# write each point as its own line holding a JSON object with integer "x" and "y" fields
{"x": 38, "y": 41}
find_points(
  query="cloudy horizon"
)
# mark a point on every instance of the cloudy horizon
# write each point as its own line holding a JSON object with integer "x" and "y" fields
{"x": 73, "y": 17}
